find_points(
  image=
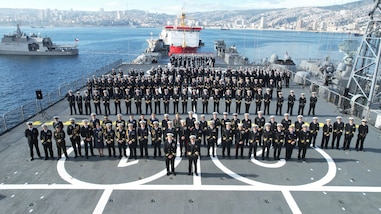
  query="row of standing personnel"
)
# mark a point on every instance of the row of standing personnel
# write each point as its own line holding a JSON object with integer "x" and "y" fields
{"x": 231, "y": 131}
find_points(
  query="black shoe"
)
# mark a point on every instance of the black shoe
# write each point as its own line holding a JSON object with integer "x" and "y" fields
{"x": 168, "y": 173}
{"x": 196, "y": 173}
{"x": 46, "y": 158}
{"x": 174, "y": 173}
{"x": 189, "y": 173}
{"x": 32, "y": 159}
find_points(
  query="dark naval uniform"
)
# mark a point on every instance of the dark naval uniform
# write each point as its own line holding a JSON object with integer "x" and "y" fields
{"x": 143, "y": 141}
{"x": 267, "y": 141}
{"x": 313, "y": 101}
{"x": 71, "y": 100}
{"x": 170, "y": 155}
{"x": 87, "y": 101}
{"x": 211, "y": 139}
{"x": 193, "y": 153}
{"x": 131, "y": 141}
{"x": 290, "y": 103}
{"x": 46, "y": 140}
{"x": 227, "y": 140}
{"x": 239, "y": 142}
{"x": 338, "y": 129}
{"x": 279, "y": 104}
{"x": 278, "y": 143}
{"x": 290, "y": 140}
{"x": 362, "y": 132}
{"x": 254, "y": 138}
{"x": 156, "y": 135}
{"x": 327, "y": 130}
{"x": 59, "y": 137}
{"x": 78, "y": 100}
{"x": 304, "y": 142}
{"x": 97, "y": 103}
{"x": 110, "y": 141}
{"x": 121, "y": 138}
{"x": 314, "y": 129}
{"x": 86, "y": 134}
{"x": 302, "y": 104}
{"x": 73, "y": 130}
{"x": 183, "y": 137}
{"x": 349, "y": 132}
{"x": 32, "y": 137}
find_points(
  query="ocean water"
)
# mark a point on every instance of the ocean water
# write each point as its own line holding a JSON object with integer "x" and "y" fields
{"x": 99, "y": 46}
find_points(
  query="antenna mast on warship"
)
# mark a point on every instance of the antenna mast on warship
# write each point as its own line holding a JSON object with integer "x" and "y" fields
{"x": 364, "y": 83}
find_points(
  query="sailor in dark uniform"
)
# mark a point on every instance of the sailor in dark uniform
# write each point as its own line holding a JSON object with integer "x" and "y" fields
{"x": 327, "y": 130}
{"x": 258, "y": 100}
{"x": 238, "y": 101}
{"x": 71, "y": 100}
{"x": 87, "y": 136}
{"x": 197, "y": 131}
{"x": 290, "y": 141}
{"x": 46, "y": 140}
{"x": 313, "y": 101}
{"x": 87, "y": 101}
{"x": 127, "y": 100}
{"x": 73, "y": 130}
{"x": 266, "y": 101}
{"x": 190, "y": 121}
{"x": 204, "y": 128}
{"x": 97, "y": 102}
{"x": 286, "y": 122}
{"x": 338, "y": 128}
{"x": 290, "y": 102}
{"x": 314, "y": 129}
{"x": 117, "y": 98}
{"x": 267, "y": 137}
{"x": 227, "y": 139}
{"x": 176, "y": 99}
{"x": 304, "y": 142}
{"x": 59, "y": 137}
{"x": 131, "y": 140}
{"x": 148, "y": 101}
{"x": 138, "y": 102}
{"x": 205, "y": 101}
{"x": 260, "y": 121}
{"x": 278, "y": 141}
{"x": 106, "y": 102}
{"x": 99, "y": 139}
{"x": 143, "y": 139}
{"x": 248, "y": 100}
{"x": 302, "y": 104}
{"x": 166, "y": 100}
{"x": 239, "y": 140}
{"x": 193, "y": 154}
{"x": 183, "y": 137}
{"x": 57, "y": 122}
{"x": 31, "y": 135}
{"x": 194, "y": 98}
{"x": 211, "y": 136}
{"x": 349, "y": 131}
{"x": 184, "y": 100}
{"x": 78, "y": 100}
{"x": 121, "y": 139}
{"x": 156, "y": 135}
{"x": 298, "y": 124}
{"x": 170, "y": 148}
{"x": 110, "y": 139}
{"x": 254, "y": 138}
{"x": 157, "y": 99}
{"x": 228, "y": 100}
{"x": 246, "y": 126}
{"x": 362, "y": 133}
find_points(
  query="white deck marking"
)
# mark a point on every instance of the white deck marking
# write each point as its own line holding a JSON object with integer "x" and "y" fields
{"x": 277, "y": 164}
{"x": 124, "y": 160}
{"x": 291, "y": 202}
{"x": 103, "y": 201}
{"x": 197, "y": 179}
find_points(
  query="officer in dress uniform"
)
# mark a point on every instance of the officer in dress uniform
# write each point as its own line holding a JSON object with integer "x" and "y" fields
{"x": 290, "y": 102}
{"x": 239, "y": 140}
{"x": 156, "y": 135}
{"x": 166, "y": 100}
{"x": 193, "y": 154}
{"x": 327, "y": 130}
{"x": 197, "y": 131}
{"x": 183, "y": 137}
{"x": 278, "y": 141}
{"x": 260, "y": 121}
{"x": 211, "y": 137}
{"x": 298, "y": 124}
{"x": 87, "y": 100}
{"x": 131, "y": 140}
{"x": 204, "y": 128}
{"x": 71, "y": 100}
{"x": 57, "y": 122}
{"x": 238, "y": 101}
{"x": 184, "y": 100}
{"x": 314, "y": 129}
{"x": 338, "y": 128}
{"x": 273, "y": 123}
{"x": 117, "y": 98}
{"x": 170, "y": 148}
{"x": 110, "y": 139}
{"x": 148, "y": 101}
{"x": 258, "y": 100}
{"x": 302, "y": 104}
{"x": 267, "y": 140}
{"x": 127, "y": 101}
{"x": 286, "y": 122}
{"x": 290, "y": 141}
{"x": 87, "y": 134}
{"x": 59, "y": 137}
{"x": 227, "y": 139}
{"x": 313, "y": 101}
{"x": 157, "y": 99}
{"x": 97, "y": 102}
{"x": 304, "y": 142}
{"x": 279, "y": 103}
{"x": 362, "y": 133}
{"x": 46, "y": 140}
{"x": 31, "y": 135}
{"x": 266, "y": 101}
{"x": 228, "y": 100}
{"x": 176, "y": 99}
{"x": 78, "y": 100}
{"x": 194, "y": 98}
{"x": 349, "y": 131}
{"x": 246, "y": 126}
{"x": 205, "y": 101}
{"x": 121, "y": 139}
{"x": 106, "y": 102}
{"x": 99, "y": 139}
{"x": 73, "y": 130}
{"x": 254, "y": 138}
{"x": 190, "y": 121}
{"x": 138, "y": 102}
{"x": 143, "y": 139}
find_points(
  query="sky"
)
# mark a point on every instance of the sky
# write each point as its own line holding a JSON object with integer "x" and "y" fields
{"x": 166, "y": 6}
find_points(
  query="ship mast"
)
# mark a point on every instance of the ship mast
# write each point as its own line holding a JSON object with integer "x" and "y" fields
{"x": 364, "y": 82}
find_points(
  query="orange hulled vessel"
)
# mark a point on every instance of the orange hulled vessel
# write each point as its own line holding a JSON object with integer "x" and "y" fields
{"x": 182, "y": 38}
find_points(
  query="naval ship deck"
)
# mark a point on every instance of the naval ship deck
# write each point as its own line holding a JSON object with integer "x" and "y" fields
{"x": 329, "y": 181}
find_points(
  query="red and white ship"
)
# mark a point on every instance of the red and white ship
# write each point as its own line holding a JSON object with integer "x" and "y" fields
{"x": 181, "y": 38}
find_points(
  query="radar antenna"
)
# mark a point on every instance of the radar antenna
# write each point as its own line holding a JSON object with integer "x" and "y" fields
{"x": 365, "y": 76}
